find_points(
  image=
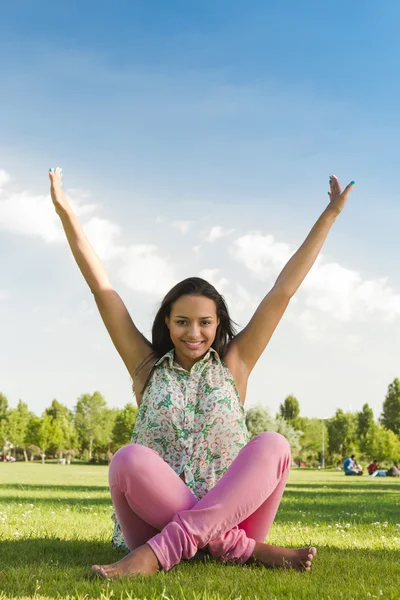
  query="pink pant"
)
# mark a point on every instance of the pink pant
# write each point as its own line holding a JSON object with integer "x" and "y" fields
{"x": 156, "y": 507}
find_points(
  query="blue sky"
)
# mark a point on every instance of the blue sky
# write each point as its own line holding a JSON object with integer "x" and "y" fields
{"x": 189, "y": 134}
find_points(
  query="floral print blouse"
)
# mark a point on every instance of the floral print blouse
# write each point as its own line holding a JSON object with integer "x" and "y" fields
{"x": 193, "y": 419}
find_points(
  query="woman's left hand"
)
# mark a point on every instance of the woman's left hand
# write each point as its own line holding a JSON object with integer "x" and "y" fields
{"x": 338, "y": 198}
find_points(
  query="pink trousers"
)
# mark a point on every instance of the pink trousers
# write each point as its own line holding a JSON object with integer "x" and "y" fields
{"x": 156, "y": 507}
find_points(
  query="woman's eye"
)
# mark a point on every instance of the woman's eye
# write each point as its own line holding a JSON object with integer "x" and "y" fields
{"x": 206, "y": 322}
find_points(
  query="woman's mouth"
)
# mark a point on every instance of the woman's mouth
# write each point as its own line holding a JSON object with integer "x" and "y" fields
{"x": 192, "y": 345}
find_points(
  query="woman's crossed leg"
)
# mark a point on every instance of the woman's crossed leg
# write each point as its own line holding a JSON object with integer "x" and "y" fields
{"x": 163, "y": 522}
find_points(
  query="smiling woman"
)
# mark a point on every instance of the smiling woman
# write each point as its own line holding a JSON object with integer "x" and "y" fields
{"x": 191, "y": 479}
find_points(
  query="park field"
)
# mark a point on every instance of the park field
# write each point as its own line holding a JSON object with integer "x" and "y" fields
{"x": 55, "y": 523}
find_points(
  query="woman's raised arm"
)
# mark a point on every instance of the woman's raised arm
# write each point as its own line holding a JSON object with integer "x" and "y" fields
{"x": 130, "y": 343}
{"x": 247, "y": 347}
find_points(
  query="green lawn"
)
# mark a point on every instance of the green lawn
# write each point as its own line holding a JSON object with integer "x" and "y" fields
{"x": 55, "y": 523}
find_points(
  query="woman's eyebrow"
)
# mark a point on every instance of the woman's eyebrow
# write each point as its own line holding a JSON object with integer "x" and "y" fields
{"x": 182, "y": 317}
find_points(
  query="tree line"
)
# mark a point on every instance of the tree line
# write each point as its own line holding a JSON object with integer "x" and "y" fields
{"x": 92, "y": 431}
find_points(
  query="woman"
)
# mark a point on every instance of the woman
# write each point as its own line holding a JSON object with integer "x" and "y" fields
{"x": 191, "y": 479}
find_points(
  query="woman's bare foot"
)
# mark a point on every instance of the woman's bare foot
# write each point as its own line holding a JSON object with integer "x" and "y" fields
{"x": 141, "y": 561}
{"x": 287, "y": 558}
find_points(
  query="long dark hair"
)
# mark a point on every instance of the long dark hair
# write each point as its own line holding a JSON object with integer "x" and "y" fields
{"x": 194, "y": 286}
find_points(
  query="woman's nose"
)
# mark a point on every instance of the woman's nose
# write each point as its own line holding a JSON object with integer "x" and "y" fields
{"x": 194, "y": 331}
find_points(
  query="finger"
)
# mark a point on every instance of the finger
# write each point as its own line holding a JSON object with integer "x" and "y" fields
{"x": 336, "y": 185}
{"x": 331, "y": 193}
{"x": 348, "y": 188}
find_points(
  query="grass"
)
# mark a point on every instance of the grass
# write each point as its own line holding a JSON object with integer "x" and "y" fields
{"x": 55, "y": 523}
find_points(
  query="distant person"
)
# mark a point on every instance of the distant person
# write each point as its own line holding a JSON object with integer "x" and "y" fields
{"x": 191, "y": 478}
{"x": 393, "y": 471}
{"x": 351, "y": 467}
{"x": 372, "y": 467}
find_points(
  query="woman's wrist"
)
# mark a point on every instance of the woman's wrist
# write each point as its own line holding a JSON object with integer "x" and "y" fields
{"x": 330, "y": 214}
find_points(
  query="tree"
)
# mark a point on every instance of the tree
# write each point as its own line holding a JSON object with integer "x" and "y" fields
{"x": 290, "y": 410}
{"x": 90, "y": 420}
{"x": 382, "y": 444}
{"x": 365, "y": 422}
{"x": 64, "y": 438}
{"x": 102, "y": 444}
{"x": 3, "y": 406}
{"x": 16, "y": 425}
{"x": 3, "y": 420}
{"x": 40, "y": 433}
{"x": 342, "y": 433}
{"x": 311, "y": 440}
{"x": 123, "y": 426}
{"x": 258, "y": 420}
{"x": 390, "y": 417}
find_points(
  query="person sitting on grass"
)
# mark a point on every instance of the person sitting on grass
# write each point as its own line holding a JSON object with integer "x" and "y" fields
{"x": 191, "y": 479}
{"x": 393, "y": 471}
{"x": 351, "y": 467}
{"x": 372, "y": 467}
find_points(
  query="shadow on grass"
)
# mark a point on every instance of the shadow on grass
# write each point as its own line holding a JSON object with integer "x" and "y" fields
{"x": 353, "y": 484}
{"x": 54, "y": 501}
{"x": 53, "y": 551}
{"x": 38, "y": 487}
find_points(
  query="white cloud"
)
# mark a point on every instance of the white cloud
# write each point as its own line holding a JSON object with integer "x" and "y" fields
{"x": 144, "y": 270}
{"x": 26, "y": 214}
{"x": 183, "y": 226}
{"x": 4, "y": 178}
{"x": 141, "y": 268}
{"x": 212, "y": 276}
{"x": 343, "y": 294}
{"x": 102, "y": 235}
{"x": 217, "y": 232}
{"x": 196, "y": 249}
{"x": 329, "y": 288}
{"x": 4, "y": 294}
{"x": 241, "y": 303}
{"x": 261, "y": 254}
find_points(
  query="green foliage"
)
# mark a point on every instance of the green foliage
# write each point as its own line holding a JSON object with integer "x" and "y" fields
{"x": 342, "y": 432}
{"x": 311, "y": 440}
{"x": 391, "y": 408}
{"x": 382, "y": 444}
{"x": 3, "y": 417}
{"x": 259, "y": 419}
{"x": 16, "y": 424}
{"x": 123, "y": 426}
{"x": 365, "y": 423}
{"x": 90, "y": 420}
{"x": 64, "y": 438}
{"x": 290, "y": 410}
{"x": 3, "y": 406}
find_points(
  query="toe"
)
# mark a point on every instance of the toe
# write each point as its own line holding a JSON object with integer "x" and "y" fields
{"x": 98, "y": 570}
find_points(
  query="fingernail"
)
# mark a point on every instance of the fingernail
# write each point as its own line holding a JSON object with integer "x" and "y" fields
{"x": 51, "y": 170}
{"x": 352, "y": 182}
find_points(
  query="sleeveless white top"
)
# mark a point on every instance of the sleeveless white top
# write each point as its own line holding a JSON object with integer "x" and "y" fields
{"x": 193, "y": 419}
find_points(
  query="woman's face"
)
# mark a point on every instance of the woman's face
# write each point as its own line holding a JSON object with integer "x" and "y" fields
{"x": 192, "y": 325}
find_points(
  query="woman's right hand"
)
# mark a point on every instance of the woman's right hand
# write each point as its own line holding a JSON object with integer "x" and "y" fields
{"x": 57, "y": 195}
